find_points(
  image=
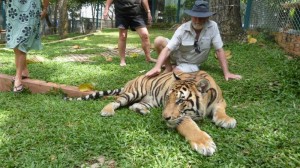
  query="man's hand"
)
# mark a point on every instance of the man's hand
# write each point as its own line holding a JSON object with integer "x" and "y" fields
{"x": 153, "y": 72}
{"x": 232, "y": 76}
{"x": 149, "y": 18}
{"x": 105, "y": 14}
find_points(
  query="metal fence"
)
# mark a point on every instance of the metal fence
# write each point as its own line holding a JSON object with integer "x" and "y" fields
{"x": 82, "y": 25}
{"x": 281, "y": 17}
{"x": 274, "y": 15}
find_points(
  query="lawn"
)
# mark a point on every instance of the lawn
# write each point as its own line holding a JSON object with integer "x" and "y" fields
{"x": 42, "y": 130}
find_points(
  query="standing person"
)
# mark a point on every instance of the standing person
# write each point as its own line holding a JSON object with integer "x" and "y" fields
{"x": 130, "y": 13}
{"x": 190, "y": 44}
{"x": 23, "y": 33}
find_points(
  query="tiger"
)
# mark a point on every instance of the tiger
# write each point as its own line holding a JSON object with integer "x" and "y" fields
{"x": 185, "y": 97}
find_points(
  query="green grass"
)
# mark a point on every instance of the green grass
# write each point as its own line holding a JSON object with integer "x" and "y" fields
{"x": 42, "y": 130}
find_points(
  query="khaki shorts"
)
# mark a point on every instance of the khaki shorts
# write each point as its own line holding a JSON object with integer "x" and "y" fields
{"x": 184, "y": 67}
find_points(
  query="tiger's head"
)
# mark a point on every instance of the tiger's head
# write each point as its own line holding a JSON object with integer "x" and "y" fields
{"x": 186, "y": 98}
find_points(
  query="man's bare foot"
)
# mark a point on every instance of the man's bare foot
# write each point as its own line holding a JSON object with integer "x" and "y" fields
{"x": 151, "y": 60}
{"x": 122, "y": 64}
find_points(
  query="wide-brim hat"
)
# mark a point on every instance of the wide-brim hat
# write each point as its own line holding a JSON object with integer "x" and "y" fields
{"x": 200, "y": 9}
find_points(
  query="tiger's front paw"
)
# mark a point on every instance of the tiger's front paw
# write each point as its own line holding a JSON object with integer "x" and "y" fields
{"x": 204, "y": 144}
{"x": 109, "y": 110}
{"x": 106, "y": 113}
{"x": 227, "y": 122}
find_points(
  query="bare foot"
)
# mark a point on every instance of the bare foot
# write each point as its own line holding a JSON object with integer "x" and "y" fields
{"x": 123, "y": 64}
{"x": 151, "y": 60}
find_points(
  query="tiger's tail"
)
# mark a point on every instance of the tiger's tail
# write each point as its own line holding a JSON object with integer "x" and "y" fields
{"x": 95, "y": 95}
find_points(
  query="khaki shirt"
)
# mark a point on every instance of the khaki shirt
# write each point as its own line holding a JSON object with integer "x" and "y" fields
{"x": 182, "y": 43}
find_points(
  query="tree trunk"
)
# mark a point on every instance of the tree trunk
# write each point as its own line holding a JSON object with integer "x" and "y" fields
{"x": 48, "y": 21}
{"x": 55, "y": 18}
{"x": 228, "y": 17}
{"x": 63, "y": 19}
{"x": 94, "y": 6}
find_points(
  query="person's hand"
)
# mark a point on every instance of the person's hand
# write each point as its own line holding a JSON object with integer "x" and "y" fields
{"x": 232, "y": 76}
{"x": 105, "y": 15}
{"x": 153, "y": 72}
{"x": 43, "y": 13}
{"x": 149, "y": 18}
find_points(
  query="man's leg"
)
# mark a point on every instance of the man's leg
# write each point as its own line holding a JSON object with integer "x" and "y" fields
{"x": 122, "y": 45}
{"x": 160, "y": 43}
{"x": 144, "y": 35}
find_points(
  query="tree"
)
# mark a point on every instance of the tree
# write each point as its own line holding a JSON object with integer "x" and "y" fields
{"x": 228, "y": 18}
{"x": 63, "y": 18}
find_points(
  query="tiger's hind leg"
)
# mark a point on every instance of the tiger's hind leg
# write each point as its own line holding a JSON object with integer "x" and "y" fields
{"x": 141, "y": 107}
{"x": 220, "y": 117}
{"x": 122, "y": 100}
{"x": 198, "y": 139}
{"x": 109, "y": 109}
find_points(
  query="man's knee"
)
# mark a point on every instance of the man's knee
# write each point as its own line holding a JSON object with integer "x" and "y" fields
{"x": 144, "y": 36}
{"x": 160, "y": 42}
{"x": 122, "y": 34}
{"x": 143, "y": 33}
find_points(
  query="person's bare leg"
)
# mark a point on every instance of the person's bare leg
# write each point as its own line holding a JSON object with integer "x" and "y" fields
{"x": 122, "y": 46}
{"x": 20, "y": 60}
{"x": 144, "y": 35}
{"x": 160, "y": 43}
{"x": 25, "y": 72}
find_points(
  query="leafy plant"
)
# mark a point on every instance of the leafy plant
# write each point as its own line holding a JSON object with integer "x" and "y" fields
{"x": 170, "y": 14}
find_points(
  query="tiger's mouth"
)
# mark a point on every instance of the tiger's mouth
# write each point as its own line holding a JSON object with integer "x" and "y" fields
{"x": 173, "y": 123}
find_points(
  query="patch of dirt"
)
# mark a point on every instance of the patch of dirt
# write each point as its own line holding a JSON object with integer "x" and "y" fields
{"x": 75, "y": 58}
{"x": 99, "y": 162}
{"x": 129, "y": 52}
{"x": 110, "y": 52}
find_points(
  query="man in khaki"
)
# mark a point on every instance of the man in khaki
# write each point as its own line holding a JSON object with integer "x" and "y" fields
{"x": 190, "y": 44}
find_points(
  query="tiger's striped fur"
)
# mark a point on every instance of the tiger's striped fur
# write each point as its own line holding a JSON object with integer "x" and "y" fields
{"x": 186, "y": 97}
{"x": 96, "y": 95}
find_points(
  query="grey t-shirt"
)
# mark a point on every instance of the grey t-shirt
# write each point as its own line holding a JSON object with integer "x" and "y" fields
{"x": 182, "y": 43}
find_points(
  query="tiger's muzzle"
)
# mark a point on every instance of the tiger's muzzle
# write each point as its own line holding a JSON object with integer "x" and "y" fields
{"x": 173, "y": 123}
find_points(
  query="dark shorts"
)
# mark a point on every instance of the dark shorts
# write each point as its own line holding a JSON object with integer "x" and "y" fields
{"x": 124, "y": 22}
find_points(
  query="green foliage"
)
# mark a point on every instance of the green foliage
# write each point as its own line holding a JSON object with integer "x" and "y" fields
{"x": 296, "y": 19}
{"x": 170, "y": 14}
{"x": 189, "y": 4}
{"x": 42, "y": 130}
{"x": 162, "y": 25}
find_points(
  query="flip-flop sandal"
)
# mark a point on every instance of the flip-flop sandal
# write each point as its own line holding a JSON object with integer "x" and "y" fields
{"x": 18, "y": 89}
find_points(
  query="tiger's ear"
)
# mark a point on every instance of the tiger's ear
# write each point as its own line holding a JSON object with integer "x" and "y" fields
{"x": 203, "y": 85}
{"x": 175, "y": 77}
